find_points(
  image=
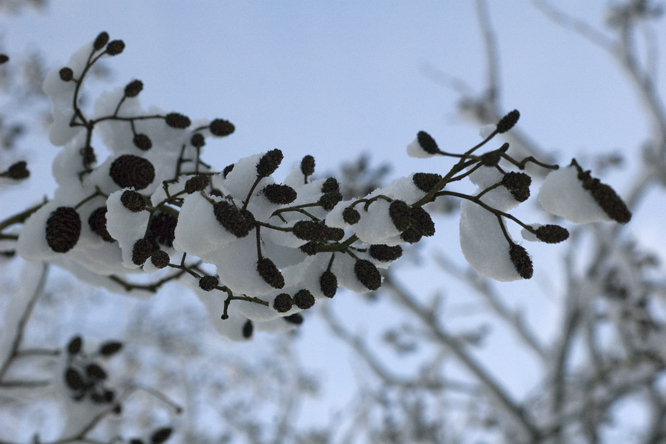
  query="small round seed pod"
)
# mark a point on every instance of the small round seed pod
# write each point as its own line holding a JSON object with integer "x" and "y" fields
{"x": 351, "y": 216}
{"x": 282, "y": 303}
{"x": 328, "y": 284}
{"x": 269, "y": 162}
{"x": 303, "y": 299}
{"x": 196, "y": 183}
{"x": 197, "y": 140}
{"x": 66, "y": 74}
{"x": 422, "y": 221}
{"x": 142, "y": 142}
{"x": 110, "y": 348}
{"x": 208, "y": 283}
{"x": 74, "y": 346}
{"x": 115, "y": 47}
{"x": 101, "y": 41}
{"x": 73, "y": 379}
{"x": 427, "y": 143}
{"x": 63, "y": 228}
{"x": 330, "y": 185}
{"x": 163, "y": 228}
{"x": 160, "y": 258}
{"x": 310, "y": 231}
{"x": 248, "y": 328}
{"x": 132, "y": 171}
{"x": 521, "y": 261}
{"x": 97, "y": 224}
{"x": 296, "y": 319}
{"x": 133, "y": 88}
{"x": 177, "y": 120}
{"x": 426, "y": 181}
{"x": 367, "y": 274}
{"x": 507, "y": 122}
{"x": 552, "y": 234}
{"x": 221, "y": 127}
{"x": 330, "y": 200}
{"x": 311, "y": 248}
{"x": 133, "y": 201}
{"x": 279, "y": 194}
{"x": 142, "y": 250}
{"x": 518, "y": 184}
{"x": 308, "y": 165}
{"x": 270, "y": 273}
{"x": 94, "y": 371}
{"x": 17, "y": 171}
{"x": 400, "y": 213}
{"x": 227, "y": 169}
{"x": 384, "y": 253}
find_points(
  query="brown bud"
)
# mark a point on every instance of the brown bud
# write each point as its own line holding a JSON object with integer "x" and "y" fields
{"x": 296, "y": 319}
{"x": 427, "y": 143}
{"x": 221, "y": 127}
{"x": 110, "y": 348}
{"x": 74, "y": 346}
{"x": 328, "y": 284}
{"x": 197, "y": 140}
{"x": 177, "y": 120}
{"x": 367, "y": 274}
{"x": 521, "y": 261}
{"x": 308, "y": 165}
{"x": 552, "y": 234}
{"x": 66, "y": 74}
{"x": 142, "y": 142}
{"x": 101, "y": 41}
{"x": 115, "y": 47}
{"x": 208, "y": 283}
{"x": 269, "y": 162}
{"x": 248, "y": 328}
{"x": 17, "y": 171}
{"x": 279, "y": 194}
{"x": 133, "y": 88}
{"x": 270, "y": 273}
{"x": 508, "y": 121}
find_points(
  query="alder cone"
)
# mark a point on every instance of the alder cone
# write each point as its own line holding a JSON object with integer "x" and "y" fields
{"x": 63, "y": 228}
{"x": 132, "y": 171}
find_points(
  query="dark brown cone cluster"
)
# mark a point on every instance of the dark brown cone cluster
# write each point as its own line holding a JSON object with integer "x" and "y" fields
{"x": 115, "y": 47}
{"x": 316, "y": 231}
{"x": 97, "y": 224}
{"x": 248, "y": 328}
{"x": 308, "y": 165}
{"x": 303, "y": 299}
{"x": 221, "y": 127}
{"x": 426, "y": 181}
{"x": 237, "y": 222}
{"x": 133, "y": 201}
{"x": 282, "y": 303}
{"x": 521, "y": 261}
{"x": 367, "y": 274}
{"x": 269, "y": 162}
{"x": 63, "y": 228}
{"x": 177, "y": 120}
{"x": 605, "y": 196}
{"x": 351, "y": 216}
{"x": 279, "y": 194}
{"x": 66, "y": 74}
{"x": 552, "y": 234}
{"x": 196, "y": 183}
{"x": 208, "y": 283}
{"x": 507, "y": 122}
{"x": 427, "y": 142}
{"x": 133, "y": 88}
{"x": 270, "y": 273}
{"x": 160, "y": 258}
{"x": 142, "y": 142}
{"x": 518, "y": 184}
{"x": 328, "y": 284}
{"x": 129, "y": 171}
{"x": 412, "y": 222}
{"x": 384, "y": 253}
{"x": 142, "y": 250}
{"x": 400, "y": 214}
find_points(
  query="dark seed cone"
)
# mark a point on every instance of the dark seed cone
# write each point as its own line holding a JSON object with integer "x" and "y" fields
{"x": 269, "y": 162}
{"x": 330, "y": 200}
{"x": 160, "y": 259}
{"x": 66, "y": 74}
{"x": 4, "y": 59}
{"x": 310, "y": 231}
{"x": 196, "y": 183}
{"x": 367, "y": 274}
{"x": 142, "y": 250}
{"x": 101, "y": 41}
{"x": 605, "y": 196}
{"x": 177, "y": 120}
{"x": 521, "y": 261}
{"x": 282, "y": 303}
{"x": 296, "y": 319}
{"x": 133, "y": 88}
{"x": 110, "y": 348}
{"x": 227, "y": 170}
{"x": 129, "y": 171}
{"x": 422, "y": 221}
{"x": 303, "y": 299}
{"x": 221, "y": 127}
{"x": 507, "y": 122}
{"x": 518, "y": 184}
{"x": 328, "y": 284}
{"x": 490, "y": 159}
{"x": 400, "y": 214}
{"x": 142, "y": 142}
{"x": 308, "y": 165}
{"x": 97, "y": 224}
{"x": 411, "y": 235}
{"x": 426, "y": 181}
{"x": 73, "y": 379}
{"x": 163, "y": 228}
{"x": 270, "y": 273}
{"x": 74, "y": 346}
{"x": 334, "y": 234}
{"x": 427, "y": 143}
{"x": 197, "y": 140}
{"x": 115, "y": 47}
{"x": 248, "y": 328}
{"x": 311, "y": 248}
{"x": 94, "y": 371}
{"x": 208, "y": 283}
{"x": 133, "y": 201}
{"x": 385, "y": 253}
{"x": 279, "y": 194}
{"x": 552, "y": 234}
{"x": 163, "y": 434}
{"x": 351, "y": 216}
{"x": 237, "y": 223}
{"x": 17, "y": 171}
{"x": 330, "y": 185}
{"x": 63, "y": 228}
